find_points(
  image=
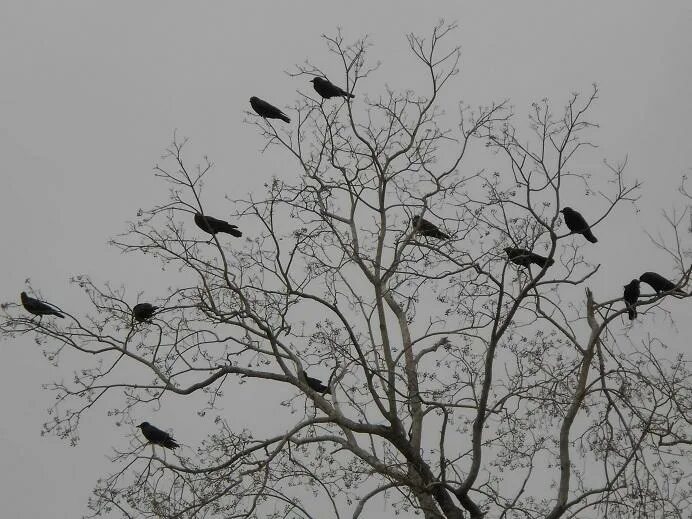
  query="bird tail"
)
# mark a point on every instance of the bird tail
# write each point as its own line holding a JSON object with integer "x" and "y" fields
{"x": 58, "y": 314}
{"x": 589, "y": 236}
{"x": 349, "y": 95}
{"x": 631, "y": 312}
{"x": 170, "y": 443}
{"x": 285, "y": 118}
{"x": 541, "y": 261}
{"x": 440, "y": 235}
{"x": 232, "y": 230}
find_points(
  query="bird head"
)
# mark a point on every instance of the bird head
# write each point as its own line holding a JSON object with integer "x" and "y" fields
{"x": 254, "y": 99}
{"x": 143, "y": 424}
{"x": 415, "y": 220}
{"x": 507, "y": 249}
{"x": 566, "y": 210}
{"x": 23, "y": 296}
{"x": 315, "y": 80}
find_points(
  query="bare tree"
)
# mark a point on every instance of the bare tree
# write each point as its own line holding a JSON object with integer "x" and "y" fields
{"x": 461, "y": 384}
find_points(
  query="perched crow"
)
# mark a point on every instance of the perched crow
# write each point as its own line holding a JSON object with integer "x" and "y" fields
{"x": 157, "y": 436}
{"x": 630, "y": 296}
{"x": 36, "y": 307}
{"x": 525, "y": 257}
{"x": 575, "y": 223}
{"x": 659, "y": 283}
{"x": 266, "y": 110}
{"x": 427, "y": 228}
{"x": 327, "y": 90}
{"x": 315, "y": 384}
{"x": 213, "y": 225}
{"x": 143, "y": 311}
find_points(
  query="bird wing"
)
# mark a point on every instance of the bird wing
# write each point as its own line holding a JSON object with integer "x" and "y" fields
{"x": 154, "y": 434}
{"x": 578, "y": 222}
{"x": 38, "y": 306}
{"x": 213, "y": 221}
{"x": 270, "y": 108}
{"x": 656, "y": 281}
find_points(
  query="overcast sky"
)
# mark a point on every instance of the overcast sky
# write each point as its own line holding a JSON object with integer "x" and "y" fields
{"x": 90, "y": 94}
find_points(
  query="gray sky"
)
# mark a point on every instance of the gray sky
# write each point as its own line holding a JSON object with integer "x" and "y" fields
{"x": 91, "y": 93}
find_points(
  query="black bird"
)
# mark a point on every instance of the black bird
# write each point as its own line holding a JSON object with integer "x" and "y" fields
{"x": 327, "y": 90}
{"x": 315, "y": 384}
{"x": 630, "y": 296}
{"x": 659, "y": 283}
{"x": 267, "y": 110}
{"x": 575, "y": 223}
{"x": 525, "y": 257}
{"x": 37, "y": 307}
{"x": 213, "y": 225}
{"x": 157, "y": 436}
{"x": 143, "y": 311}
{"x": 427, "y": 228}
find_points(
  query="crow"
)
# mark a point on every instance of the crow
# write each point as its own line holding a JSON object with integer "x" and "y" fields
{"x": 267, "y": 110}
{"x": 630, "y": 296}
{"x": 427, "y": 228}
{"x": 157, "y": 436}
{"x": 525, "y": 257}
{"x": 575, "y": 223}
{"x": 143, "y": 311}
{"x": 659, "y": 283}
{"x": 213, "y": 225}
{"x": 315, "y": 384}
{"x": 328, "y": 90}
{"x": 36, "y": 307}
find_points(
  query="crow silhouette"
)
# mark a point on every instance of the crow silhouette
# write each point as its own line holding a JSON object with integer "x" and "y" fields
{"x": 143, "y": 311}
{"x": 630, "y": 296}
{"x": 575, "y": 223}
{"x": 214, "y": 225}
{"x": 266, "y": 110}
{"x": 659, "y": 283}
{"x": 157, "y": 436}
{"x": 525, "y": 258}
{"x": 327, "y": 89}
{"x": 426, "y": 228}
{"x": 37, "y": 307}
{"x": 315, "y": 384}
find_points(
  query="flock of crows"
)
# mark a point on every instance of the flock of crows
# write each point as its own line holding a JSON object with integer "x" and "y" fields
{"x": 575, "y": 222}
{"x": 143, "y": 312}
